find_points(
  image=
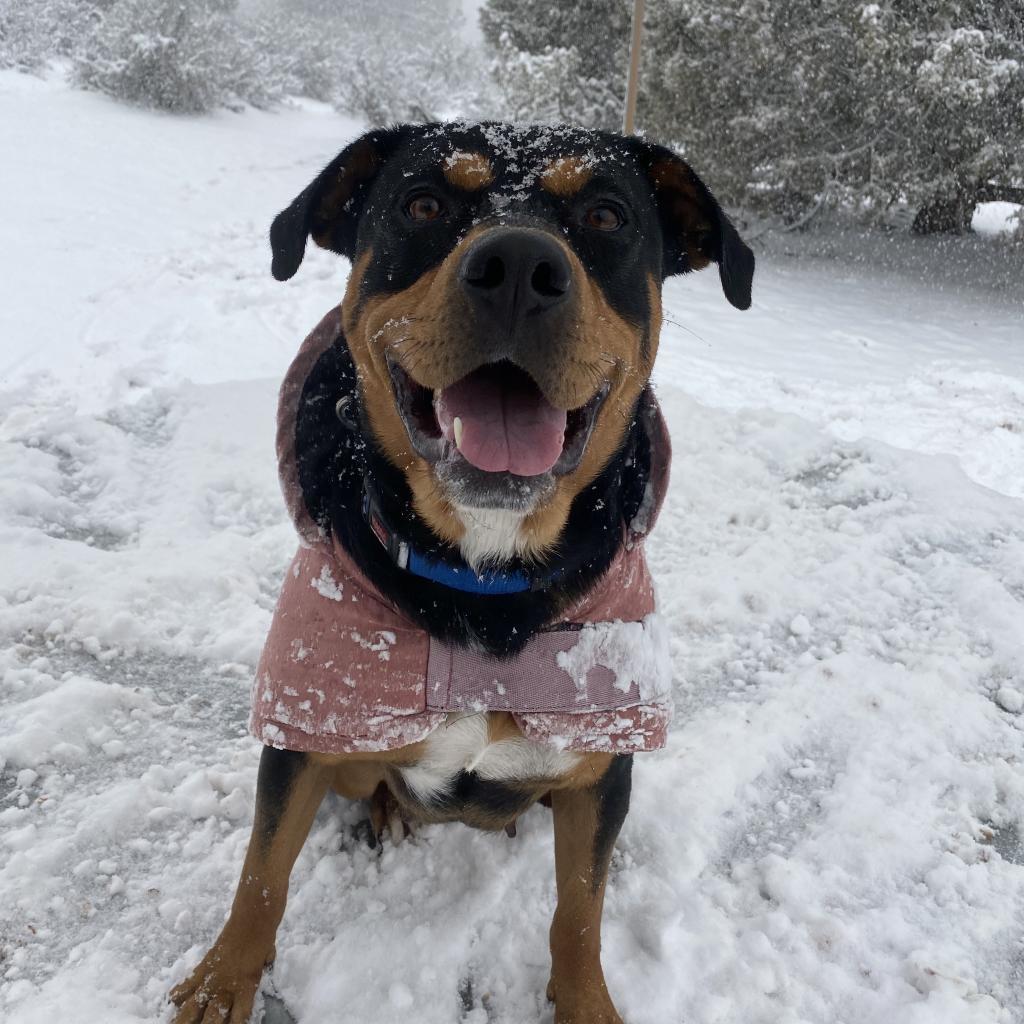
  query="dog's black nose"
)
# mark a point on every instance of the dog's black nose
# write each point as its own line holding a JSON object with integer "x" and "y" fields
{"x": 510, "y": 273}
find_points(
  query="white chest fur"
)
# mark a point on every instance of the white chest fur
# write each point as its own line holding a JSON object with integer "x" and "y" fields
{"x": 492, "y": 535}
{"x": 462, "y": 744}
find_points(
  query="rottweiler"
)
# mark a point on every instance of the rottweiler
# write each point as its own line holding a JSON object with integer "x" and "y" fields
{"x": 472, "y": 454}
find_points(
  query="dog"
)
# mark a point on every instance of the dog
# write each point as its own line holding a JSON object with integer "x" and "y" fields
{"x": 472, "y": 454}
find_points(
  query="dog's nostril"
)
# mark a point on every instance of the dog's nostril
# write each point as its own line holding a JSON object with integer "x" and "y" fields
{"x": 491, "y": 275}
{"x": 547, "y": 281}
{"x": 514, "y": 272}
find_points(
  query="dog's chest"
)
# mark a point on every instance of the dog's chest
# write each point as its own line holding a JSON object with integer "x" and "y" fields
{"x": 468, "y": 744}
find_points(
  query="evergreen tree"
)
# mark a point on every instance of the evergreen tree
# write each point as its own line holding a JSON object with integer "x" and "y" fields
{"x": 800, "y": 102}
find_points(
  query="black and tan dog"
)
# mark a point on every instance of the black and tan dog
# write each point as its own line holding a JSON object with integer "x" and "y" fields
{"x": 470, "y": 447}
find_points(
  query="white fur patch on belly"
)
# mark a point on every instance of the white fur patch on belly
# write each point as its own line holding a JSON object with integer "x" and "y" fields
{"x": 462, "y": 745}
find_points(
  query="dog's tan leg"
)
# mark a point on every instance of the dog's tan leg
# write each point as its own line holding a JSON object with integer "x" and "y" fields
{"x": 223, "y": 986}
{"x": 587, "y": 822}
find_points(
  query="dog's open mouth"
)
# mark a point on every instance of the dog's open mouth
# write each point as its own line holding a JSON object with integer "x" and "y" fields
{"x": 497, "y": 420}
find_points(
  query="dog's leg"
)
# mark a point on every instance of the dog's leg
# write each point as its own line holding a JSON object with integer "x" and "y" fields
{"x": 587, "y": 822}
{"x": 223, "y": 986}
{"x": 385, "y": 813}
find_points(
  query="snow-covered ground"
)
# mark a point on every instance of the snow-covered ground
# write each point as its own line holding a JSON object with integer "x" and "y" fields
{"x": 833, "y": 835}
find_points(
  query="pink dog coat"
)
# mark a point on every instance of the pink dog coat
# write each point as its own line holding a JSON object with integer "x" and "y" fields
{"x": 343, "y": 670}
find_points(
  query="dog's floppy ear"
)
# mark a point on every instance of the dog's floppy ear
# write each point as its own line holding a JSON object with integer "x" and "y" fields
{"x": 328, "y": 208}
{"x": 695, "y": 228}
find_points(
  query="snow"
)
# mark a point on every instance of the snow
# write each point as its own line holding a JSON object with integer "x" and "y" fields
{"x": 833, "y": 832}
{"x": 326, "y": 585}
{"x": 998, "y": 218}
{"x": 637, "y": 653}
{"x": 1010, "y": 699}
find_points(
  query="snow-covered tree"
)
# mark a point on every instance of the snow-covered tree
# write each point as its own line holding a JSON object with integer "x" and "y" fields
{"x": 414, "y": 75}
{"x": 559, "y": 62}
{"x": 800, "y": 102}
{"x": 384, "y": 60}
{"x": 968, "y": 66}
{"x": 179, "y": 55}
{"x": 32, "y": 31}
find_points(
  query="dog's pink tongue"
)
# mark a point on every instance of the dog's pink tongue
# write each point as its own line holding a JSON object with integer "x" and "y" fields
{"x": 507, "y": 424}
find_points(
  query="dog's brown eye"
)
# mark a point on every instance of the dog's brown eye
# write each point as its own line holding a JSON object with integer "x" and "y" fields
{"x": 604, "y": 218}
{"x": 423, "y": 208}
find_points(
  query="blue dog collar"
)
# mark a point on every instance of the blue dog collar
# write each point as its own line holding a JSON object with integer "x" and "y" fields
{"x": 459, "y": 577}
{"x": 464, "y": 578}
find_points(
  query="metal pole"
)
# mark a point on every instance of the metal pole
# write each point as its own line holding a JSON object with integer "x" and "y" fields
{"x": 634, "y": 67}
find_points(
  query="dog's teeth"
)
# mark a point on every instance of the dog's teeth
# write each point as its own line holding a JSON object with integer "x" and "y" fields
{"x": 457, "y": 430}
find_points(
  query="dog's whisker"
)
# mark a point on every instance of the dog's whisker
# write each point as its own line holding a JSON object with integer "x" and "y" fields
{"x": 676, "y": 323}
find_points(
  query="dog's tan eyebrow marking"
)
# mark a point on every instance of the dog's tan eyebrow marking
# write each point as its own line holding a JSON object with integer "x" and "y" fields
{"x": 565, "y": 176}
{"x": 468, "y": 171}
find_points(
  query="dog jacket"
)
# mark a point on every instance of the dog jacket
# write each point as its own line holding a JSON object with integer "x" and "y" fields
{"x": 343, "y": 670}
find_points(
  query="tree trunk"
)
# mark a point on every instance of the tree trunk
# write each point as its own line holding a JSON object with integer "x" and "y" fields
{"x": 948, "y": 214}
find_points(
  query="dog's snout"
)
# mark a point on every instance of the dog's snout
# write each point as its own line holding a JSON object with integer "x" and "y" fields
{"x": 510, "y": 273}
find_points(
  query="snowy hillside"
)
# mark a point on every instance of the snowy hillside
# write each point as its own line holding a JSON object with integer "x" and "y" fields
{"x": 833, "y": 835}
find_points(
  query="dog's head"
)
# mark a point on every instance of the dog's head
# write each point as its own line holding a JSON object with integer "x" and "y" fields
{"x": 504, "y": 305}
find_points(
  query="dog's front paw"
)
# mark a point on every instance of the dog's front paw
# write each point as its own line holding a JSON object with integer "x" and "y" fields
{"x": 221, "y": 988}
{"x": 591, "y": 1005}
{"x": 385, "y": 813}
{"x": 587, "y": 1011}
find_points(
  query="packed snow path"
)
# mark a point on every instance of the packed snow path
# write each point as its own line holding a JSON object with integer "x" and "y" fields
{"x": 832, "y": 835}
